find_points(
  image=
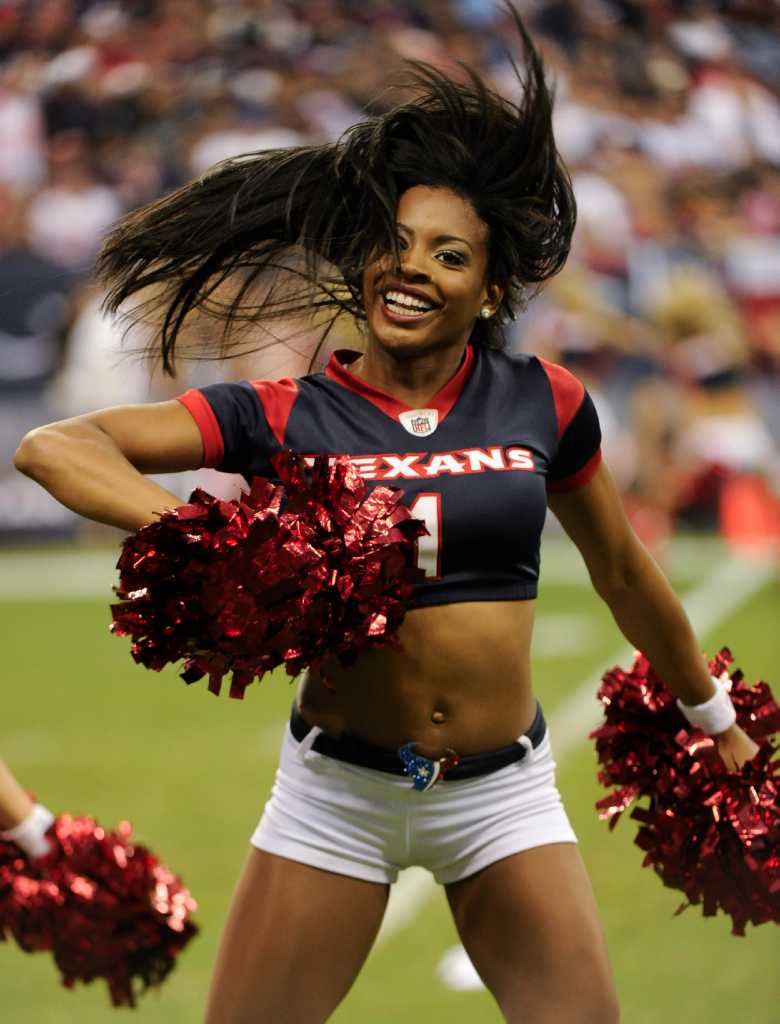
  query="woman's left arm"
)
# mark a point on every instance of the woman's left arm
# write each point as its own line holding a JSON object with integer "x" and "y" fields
{"x": 642, "y": 602}
{"x": 15, "y": 804}
{"x": 21, "y": 821}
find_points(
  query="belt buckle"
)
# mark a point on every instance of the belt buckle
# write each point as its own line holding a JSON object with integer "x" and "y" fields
{"x": 425, "y": 772}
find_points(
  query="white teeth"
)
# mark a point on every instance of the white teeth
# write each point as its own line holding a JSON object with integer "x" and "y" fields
{"x": 409, "y": 301}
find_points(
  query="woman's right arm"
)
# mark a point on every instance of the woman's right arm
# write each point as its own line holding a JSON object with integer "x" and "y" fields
{"x": 95, "y": 464}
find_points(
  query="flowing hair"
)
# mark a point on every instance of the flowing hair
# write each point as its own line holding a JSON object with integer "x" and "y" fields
{"x": 286, "y": 234}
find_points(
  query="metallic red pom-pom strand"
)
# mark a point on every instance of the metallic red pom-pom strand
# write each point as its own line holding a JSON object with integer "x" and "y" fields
{"x": 293, "y": 573}
{"x": 710, "y": 832}
{"x": 104, "y": 907}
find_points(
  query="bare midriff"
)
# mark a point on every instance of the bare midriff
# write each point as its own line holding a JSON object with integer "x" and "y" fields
{"x": 461, "y": 682}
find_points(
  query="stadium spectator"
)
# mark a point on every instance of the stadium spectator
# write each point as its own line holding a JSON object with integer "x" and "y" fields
{"x": 36, "y": 304}
{"x": 69, "y": 217}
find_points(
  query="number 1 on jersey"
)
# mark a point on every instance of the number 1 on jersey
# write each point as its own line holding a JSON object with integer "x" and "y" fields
{"x": 428, "y": 508}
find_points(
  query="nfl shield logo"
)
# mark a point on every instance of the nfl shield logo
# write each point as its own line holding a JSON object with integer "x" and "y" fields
{"x": 420, "y": 422}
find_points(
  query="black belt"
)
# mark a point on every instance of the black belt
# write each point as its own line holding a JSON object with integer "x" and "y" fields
{"x": 356, "y": 751}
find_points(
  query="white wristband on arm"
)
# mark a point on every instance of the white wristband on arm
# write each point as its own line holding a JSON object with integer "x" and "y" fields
{"x": 713, "y": 716}
{"x": 30, "y": 834}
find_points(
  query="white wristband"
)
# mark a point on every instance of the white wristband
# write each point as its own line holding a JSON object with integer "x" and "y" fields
{"x": 30, "y": 834}
{"x": 713, "y": 716}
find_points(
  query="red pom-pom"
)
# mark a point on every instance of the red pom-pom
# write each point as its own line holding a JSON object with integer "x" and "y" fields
{"x": 289, "y": 574}
{"x": 708, "y": 831}
{"x": 102, "y": 905}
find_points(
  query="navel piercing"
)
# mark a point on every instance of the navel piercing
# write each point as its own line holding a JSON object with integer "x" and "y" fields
{"x": 486, "y": 312}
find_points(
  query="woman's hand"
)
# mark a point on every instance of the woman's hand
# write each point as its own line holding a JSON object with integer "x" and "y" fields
{"x": 735, "y": 747}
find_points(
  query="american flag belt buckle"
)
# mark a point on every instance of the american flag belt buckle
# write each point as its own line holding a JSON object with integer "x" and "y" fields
{"x": 425, "y": 772}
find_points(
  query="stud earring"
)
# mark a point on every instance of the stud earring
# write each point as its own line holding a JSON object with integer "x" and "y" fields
{"x": 486, "y": 312}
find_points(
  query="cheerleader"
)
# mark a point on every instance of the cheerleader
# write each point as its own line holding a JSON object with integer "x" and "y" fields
{"x": 425, "y": 225}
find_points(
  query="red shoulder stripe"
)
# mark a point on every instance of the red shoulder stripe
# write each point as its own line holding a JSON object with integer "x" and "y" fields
{"x": 208, "y": 424}
{"x": 578, "y": 479}
{"x": 277, "y": 398}
{"x": 568, "y": 393}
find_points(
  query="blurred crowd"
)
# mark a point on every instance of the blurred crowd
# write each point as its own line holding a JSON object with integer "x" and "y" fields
{"x": 667, "y": 114}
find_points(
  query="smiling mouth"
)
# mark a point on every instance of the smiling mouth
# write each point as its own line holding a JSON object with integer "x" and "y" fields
{"x": 405, "y": 306}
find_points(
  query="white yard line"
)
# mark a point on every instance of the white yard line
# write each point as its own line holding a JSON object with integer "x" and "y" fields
{"x": 731, "y": 583}
{"x": 42, "y": 575}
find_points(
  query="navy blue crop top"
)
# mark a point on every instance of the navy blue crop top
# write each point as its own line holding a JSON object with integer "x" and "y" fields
{"x": 475, "y": 464}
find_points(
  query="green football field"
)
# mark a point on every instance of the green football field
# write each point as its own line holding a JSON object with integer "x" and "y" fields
{"x": 91, "y": 733}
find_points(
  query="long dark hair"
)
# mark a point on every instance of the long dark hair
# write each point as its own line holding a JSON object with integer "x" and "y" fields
{"x": 287, "y": 233}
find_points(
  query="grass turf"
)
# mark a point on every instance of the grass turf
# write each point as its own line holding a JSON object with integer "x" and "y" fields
{"x": 92, "y": 733}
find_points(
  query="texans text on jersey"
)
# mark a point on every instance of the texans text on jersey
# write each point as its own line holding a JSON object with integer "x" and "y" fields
{"x": 425, "y": 465}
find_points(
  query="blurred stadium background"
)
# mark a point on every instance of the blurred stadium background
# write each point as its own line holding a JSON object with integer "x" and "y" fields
{"x": 669, "y": 310}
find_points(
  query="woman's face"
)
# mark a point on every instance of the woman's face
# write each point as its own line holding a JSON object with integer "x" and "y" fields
{"x": 431, "y": 301}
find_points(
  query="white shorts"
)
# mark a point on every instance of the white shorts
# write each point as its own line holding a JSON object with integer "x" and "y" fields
{"x": 370, "y": 824}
